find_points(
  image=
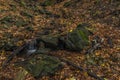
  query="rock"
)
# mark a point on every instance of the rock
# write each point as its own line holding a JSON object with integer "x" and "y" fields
{"x": 77, "y": 39}
{"x": 43, "y": 50}
{"x": 50, "y": 42}
{"x": 41, "y": 65}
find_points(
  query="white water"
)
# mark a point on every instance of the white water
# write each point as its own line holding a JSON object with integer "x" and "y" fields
{"x": 31, "y": 47}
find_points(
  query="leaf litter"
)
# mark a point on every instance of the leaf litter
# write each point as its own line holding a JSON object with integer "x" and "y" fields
{"x": 104, "y": 62}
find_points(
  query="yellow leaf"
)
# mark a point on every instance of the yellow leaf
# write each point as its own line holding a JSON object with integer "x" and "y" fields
{"x": 105, "y": 79}
{"x": 118, "y": 48}
{"x": 71, "y": 30}
{"x": 97, "y": 53}
{"x": 2, "y": 52}
{"x": 86, "y": 74}
{"x": 103, "y": 64}
{"x": 72, "y": 78}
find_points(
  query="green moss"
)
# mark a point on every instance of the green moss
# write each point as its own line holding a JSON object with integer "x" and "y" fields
{"x": 78, "y": 38}
{"x": 84, "y": 37}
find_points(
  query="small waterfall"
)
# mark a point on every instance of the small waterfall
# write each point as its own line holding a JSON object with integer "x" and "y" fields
{"x": 31, "y": 47}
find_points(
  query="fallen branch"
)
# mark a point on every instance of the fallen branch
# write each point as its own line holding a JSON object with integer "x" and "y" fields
{"x": 78, "y": 67}
{"x": 13, "y": 54}
{"x": 82, "y": 69}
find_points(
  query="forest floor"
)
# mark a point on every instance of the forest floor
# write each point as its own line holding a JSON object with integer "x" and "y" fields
{"x": 22, "y": 20}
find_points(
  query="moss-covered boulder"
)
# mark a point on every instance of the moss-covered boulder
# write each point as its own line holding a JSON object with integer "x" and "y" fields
{"x": 41, "y": 65}
{"x": 77, "y": 39}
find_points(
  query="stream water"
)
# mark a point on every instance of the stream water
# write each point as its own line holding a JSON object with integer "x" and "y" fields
{"x": 31, "y": 47}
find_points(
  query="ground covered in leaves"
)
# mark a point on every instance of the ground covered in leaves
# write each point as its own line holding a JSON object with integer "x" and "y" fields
{"x": 22, "y": 20}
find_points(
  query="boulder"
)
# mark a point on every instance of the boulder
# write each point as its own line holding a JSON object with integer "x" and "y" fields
{"x": 41, "y": 65}
{"x": 77, "y": 39}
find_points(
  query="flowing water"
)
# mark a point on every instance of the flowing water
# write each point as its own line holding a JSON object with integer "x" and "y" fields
{"x": 31, "y": 47}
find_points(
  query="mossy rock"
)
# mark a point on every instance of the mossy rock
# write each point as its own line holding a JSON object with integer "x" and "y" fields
{"x": 77, "y": 39}
{"x": 41, "y": 65}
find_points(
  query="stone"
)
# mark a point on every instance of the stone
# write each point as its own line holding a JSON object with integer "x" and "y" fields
{"x": 50, "y": 42}
{"x": 77, "y": 39}
{"x": 41, "y": 65}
